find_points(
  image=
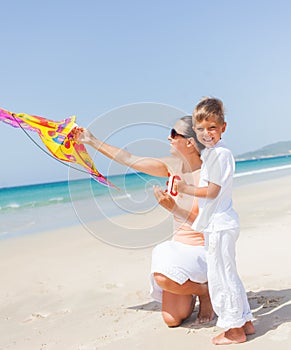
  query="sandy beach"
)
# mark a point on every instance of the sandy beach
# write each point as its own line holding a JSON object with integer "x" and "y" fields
{"x": 67, "y": 290}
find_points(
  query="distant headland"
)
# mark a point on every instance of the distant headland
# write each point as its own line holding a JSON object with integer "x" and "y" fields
{"x": 282, "y": 148}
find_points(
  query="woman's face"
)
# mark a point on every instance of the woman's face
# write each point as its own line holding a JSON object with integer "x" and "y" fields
{"x": 178, "y": 144}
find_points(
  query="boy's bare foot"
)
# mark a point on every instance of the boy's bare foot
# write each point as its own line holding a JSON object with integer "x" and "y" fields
{"x": 231, "y": 336}
{"x": 249, "y": 328}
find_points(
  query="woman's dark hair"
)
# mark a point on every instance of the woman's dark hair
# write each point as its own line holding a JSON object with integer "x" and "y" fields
{"x": 189, "y": 132}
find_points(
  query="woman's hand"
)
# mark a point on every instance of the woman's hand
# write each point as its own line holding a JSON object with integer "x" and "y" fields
{"x": 168, "y": 202}
{"x": 164, "y": 199}
{"x": 82, "y": 135}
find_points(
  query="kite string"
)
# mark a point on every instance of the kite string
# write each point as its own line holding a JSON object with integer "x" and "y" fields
{"x": 47, "y": 153}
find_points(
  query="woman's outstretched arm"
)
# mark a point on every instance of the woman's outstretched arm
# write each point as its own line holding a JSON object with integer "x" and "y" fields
{"x": 147, "y": 165}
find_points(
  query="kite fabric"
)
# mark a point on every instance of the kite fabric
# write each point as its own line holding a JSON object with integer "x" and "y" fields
{"x": 56, "y": 136}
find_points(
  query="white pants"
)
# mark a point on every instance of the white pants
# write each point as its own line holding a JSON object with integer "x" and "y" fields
{"x": 227, "y": 293}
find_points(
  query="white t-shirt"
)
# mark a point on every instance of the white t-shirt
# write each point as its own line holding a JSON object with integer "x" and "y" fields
{"x": 217, "y": 214}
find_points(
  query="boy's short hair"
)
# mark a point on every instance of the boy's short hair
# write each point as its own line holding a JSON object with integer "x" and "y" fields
{"x": 209, "y": 107}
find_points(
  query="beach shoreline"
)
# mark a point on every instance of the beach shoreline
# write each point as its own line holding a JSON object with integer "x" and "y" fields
{"x": 66, "y": 289}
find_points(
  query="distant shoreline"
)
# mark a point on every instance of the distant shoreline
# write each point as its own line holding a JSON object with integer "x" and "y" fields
{"x": 114, "y": 176}
{"x": 281, "y": 155}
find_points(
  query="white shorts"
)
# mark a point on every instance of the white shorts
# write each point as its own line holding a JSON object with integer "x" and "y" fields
{"x": 179, "y": 262}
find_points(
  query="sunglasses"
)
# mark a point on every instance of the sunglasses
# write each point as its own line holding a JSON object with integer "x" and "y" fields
{"x": 174, "y": 133}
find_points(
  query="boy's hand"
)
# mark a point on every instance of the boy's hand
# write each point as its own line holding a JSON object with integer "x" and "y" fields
{"x": 179, "y": 186}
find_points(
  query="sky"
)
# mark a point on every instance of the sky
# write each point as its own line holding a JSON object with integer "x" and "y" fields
{"x": 91, "y": 58}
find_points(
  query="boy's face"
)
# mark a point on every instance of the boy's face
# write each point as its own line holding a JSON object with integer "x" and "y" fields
{"x": 209, "y": 131}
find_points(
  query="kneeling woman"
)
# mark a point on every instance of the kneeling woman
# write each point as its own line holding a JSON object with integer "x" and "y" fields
{"x": 179, "y": 271}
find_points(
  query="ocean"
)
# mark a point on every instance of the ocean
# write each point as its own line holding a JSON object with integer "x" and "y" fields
{"x": 41, "y": 207}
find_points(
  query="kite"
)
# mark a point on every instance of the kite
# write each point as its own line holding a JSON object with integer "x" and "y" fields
{"x": 57, "y": 137}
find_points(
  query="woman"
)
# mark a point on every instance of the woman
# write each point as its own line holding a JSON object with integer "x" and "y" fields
{"x": 179, "y": 266}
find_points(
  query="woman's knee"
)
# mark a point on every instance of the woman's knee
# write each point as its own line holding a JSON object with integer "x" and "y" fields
{"x": 170, "y": 320}
{"x": 162, "y": 281}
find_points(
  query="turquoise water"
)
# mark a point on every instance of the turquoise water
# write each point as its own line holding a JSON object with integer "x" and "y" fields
{"x": 255, "y": 166}
{"x": 40, "y": 207}
{"x": 34, "y": 208}
{"x": 13, "y": 199}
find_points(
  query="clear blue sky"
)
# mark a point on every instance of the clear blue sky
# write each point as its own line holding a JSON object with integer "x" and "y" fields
{"x": 87, "y": 57}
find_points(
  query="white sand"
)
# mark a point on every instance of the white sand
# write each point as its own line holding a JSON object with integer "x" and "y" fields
{"x": 68, "y": 290}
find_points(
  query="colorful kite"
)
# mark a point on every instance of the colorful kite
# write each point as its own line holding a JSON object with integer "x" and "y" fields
{"x": 57, "y": 138}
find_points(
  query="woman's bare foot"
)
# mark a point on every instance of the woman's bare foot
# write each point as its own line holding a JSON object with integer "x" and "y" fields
{"x": 206, "y": 313}
{"x": 231, "y": 336}
{"x": 249, "y": 328}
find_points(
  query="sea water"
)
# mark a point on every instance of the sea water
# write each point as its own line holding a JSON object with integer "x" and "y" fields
{"x": 254, "y": 170}
{"x": 41, "y": 207}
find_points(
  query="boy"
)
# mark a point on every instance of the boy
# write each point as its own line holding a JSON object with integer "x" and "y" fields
{"x": 219, "y": 223}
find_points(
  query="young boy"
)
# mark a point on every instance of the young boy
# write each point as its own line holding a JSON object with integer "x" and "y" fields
{"x": 219, "y": 223}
